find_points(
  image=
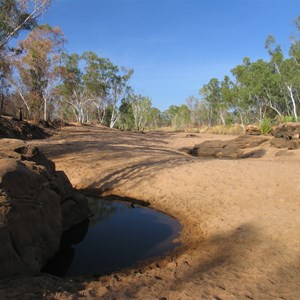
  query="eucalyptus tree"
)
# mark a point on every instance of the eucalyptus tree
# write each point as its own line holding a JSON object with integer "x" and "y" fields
{"x": 91, "y": 83}
{"x": 180, "y": 116}
{"x": 98, "y": 78}
{"x": 36, "y": 66}
{"x": 294, "y": 50}
{"x": 155, "y": 118}
{"x": 118, "y": 90}
{"x": 72, "y": 90}
{"x": 172, "y": 115}
{"x": 17, "y": 15}
{"x": 126, "y": 120}
{"x": 106, "y": 85}
{"x": 141, "y": 109}
{"x": 184, "y": 117}
{"x": 194, "y": 105}
{"x": 288, "y": 73}
{"x": 212, "y": 96}
{"x": 5, "y": 74}
{"x": 258, "y": 90}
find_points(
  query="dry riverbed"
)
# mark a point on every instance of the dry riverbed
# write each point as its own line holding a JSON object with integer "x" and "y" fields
{"x": 241, "y": 218}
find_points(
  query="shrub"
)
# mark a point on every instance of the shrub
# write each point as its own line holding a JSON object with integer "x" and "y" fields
{"x": 266, "y": 125}
{"x": 284, "y": 119}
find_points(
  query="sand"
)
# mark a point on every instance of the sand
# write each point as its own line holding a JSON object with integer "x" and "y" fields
{"x": 241, "y": 218}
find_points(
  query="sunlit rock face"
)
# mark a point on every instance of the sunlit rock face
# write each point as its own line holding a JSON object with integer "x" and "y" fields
{"x": 241, "y": 147}
{"x": 36, "y": 204}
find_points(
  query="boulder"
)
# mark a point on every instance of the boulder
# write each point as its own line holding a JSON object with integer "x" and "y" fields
{"x": 253, "y": 130}
{"x": 286, "y": 136}
{"x": 236, "y": 148}
{"x": 283, "y": 143}
{"x": 287, "y": 131}
{"x": 37, "y": 203}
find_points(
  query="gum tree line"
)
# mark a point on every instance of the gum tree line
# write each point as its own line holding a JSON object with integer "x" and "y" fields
{"x": 39, "y": 76}
{"x": 255, "y": 90}
{"x": 15, "y": 16}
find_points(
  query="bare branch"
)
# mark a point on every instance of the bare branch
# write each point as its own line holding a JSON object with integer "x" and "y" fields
{"x": 38, "y": 8}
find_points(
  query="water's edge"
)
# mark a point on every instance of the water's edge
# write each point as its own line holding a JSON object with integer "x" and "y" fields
{"x": 117, "y": 235}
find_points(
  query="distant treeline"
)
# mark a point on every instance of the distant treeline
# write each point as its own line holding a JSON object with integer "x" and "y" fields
{"x": 45, "y": 82}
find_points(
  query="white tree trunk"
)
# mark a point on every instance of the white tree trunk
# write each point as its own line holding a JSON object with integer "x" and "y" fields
{"x": 290, "y": 89}
{"x": 222, "y": 117}
{"x": 25, "y": 102}
{"x": 45, "y": 108}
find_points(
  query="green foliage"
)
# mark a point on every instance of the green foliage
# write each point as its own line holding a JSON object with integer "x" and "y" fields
{"x": 92, "y": 88}
{"x": 266, "y": 125}
{"x": 126, "y": 121}
{"x": 229, "y": 120}
{"x": 141, "y": 108}
{"x": 284, "y": 119}
{"x": 179, "y": 117}
{"x": 255, "y": 91}
{"x": 11, "y": 15}
{"x": 18, "y": 15}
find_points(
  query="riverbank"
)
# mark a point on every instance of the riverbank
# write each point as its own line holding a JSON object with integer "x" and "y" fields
{"x": 240, "y": 218}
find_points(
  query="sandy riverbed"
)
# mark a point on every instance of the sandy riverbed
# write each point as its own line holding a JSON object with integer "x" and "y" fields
{"x": 241, "y": 218}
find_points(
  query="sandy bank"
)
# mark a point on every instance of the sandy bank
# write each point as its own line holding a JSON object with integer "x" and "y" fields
{"x": 241, "y": 218}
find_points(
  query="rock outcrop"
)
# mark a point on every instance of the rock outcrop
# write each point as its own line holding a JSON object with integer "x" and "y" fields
{"x": 240, "y": 147}
{"x": 286, "y": 136}
{"x": 253, "y": 130}
{"x": 37, "y": 203}
{"x": 13, "y": 128}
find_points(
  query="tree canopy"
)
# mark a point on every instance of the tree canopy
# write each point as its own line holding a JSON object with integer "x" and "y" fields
{"x": 48, "y": 82}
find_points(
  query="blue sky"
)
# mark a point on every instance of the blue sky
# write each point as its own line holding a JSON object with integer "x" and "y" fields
{"x": 174, "y": 46}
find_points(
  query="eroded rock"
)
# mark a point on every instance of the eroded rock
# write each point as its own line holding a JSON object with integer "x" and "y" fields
{"x": 36, "y": 204}
{"x": 287, "y": 131}
{"x": 286, "y": 136}
{"x": 240, "y": 147}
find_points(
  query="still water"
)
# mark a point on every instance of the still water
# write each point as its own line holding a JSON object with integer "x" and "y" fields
{"x": 116, "y": 236}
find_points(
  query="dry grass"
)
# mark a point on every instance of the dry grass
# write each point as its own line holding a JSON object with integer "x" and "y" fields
{"x": 220, "y": 129}
{"x": 224, "y": 129}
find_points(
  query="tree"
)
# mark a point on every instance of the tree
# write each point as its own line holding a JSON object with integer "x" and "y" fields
{"x": 287, "y": 70}
{"x": 258, "y": 90}
{"x": 72, "y": 90}
{"x": 155, "y": 118}
{"x": 194, "y": 105}
{"x": 180, "y": 116}
{"x": 37, "y": 67}
{"x": 184, "y": 117}
{"x": 98, "y": 76}
{"x": 172, "y": 113}
{"x": 212, "y": 94}
{"x": 17, "y": 15}
{"x": 257, "y": 87}
{"x": 126, "y": 120}
{"x": 5, "y": 74}
{"x": 118, "y": 90}
{"x": 141, "y": 107}
{"x": 90, "y": 82}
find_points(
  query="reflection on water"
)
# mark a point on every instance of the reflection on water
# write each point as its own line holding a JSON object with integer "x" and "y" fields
{"x": 116, "y": 236}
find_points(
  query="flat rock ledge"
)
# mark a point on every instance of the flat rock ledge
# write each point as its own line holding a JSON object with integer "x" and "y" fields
{"x": 37, "y": 203}
{"x": 241, "y": 147}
